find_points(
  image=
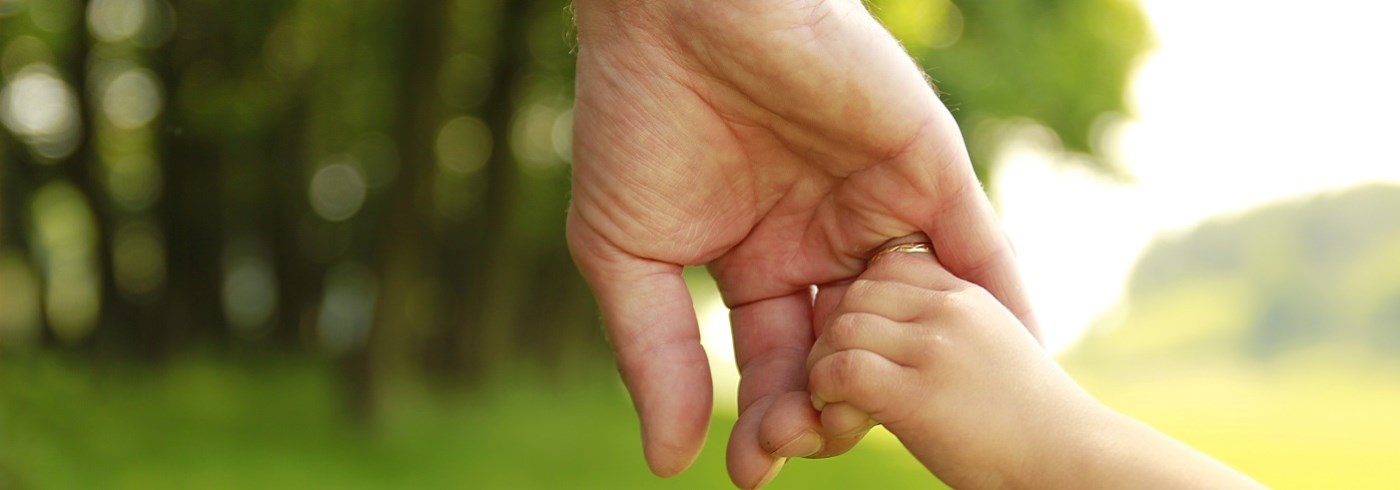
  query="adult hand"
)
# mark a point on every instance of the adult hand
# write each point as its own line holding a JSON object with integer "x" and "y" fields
{"x": 779, "y": 142}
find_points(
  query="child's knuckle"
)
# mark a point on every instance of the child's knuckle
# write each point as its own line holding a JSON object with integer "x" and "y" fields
{"x": 845, "y": 370}
{"x": 862, "y": 291}
{"x": 843, "y": 332}
{"x": 961, "y": 304}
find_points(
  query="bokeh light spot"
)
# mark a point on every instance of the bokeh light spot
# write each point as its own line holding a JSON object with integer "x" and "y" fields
{"x": 138, "y": 251}
{"x": 347, "y": 309}
{"x": 40, "y": 107}
{"x": 249, "y": 288}
{"x": 134, "y": 181}
{"x": 533, "y": 137}
{"x": 117, "y": 20}
{"x": 35, "y": 103}
{"x": 337, "y": 191}
{"x": 131, "y": 99}
{"x": 464, "y": 145}
{"x": 19, "y": 301}
{"x": 66, "y": 235}
{"x": 563, "y": 136}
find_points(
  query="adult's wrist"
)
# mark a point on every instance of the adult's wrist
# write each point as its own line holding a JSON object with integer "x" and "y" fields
{"x": 596, "y": 17}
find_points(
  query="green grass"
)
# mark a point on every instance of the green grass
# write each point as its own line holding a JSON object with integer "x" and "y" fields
{"x": 280, "y": 424}
{"x": 198, "y": 423}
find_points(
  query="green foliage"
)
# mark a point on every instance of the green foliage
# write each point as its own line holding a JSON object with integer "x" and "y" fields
{"x": 462, "y": 229}
{"x": 1063, "y": 64}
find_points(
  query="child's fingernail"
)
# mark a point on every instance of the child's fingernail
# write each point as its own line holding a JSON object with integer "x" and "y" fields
{"x": 817, "y": 403}
{"x": 802, "y": 446}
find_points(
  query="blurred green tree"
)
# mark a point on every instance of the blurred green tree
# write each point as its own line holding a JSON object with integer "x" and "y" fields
{"x": 1310, "y": 274}
{"x": 382, "y": 184}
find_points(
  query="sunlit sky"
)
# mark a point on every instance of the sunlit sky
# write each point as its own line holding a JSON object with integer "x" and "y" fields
{"x": 1240, "y": 104}
{"x": 1243, "y": 103}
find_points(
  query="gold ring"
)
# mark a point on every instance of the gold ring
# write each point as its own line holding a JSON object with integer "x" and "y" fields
{"x": 903, "y": 248}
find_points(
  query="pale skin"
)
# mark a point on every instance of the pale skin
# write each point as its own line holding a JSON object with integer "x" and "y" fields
{"x": 779, "y": 142}
{"x": 955, "y": 376}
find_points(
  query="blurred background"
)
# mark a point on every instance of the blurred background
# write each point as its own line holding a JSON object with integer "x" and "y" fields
{"x": 319, "y": 244}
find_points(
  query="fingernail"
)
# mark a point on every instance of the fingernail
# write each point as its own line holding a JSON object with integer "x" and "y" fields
{"x": 869, "y": 424}
{"x": 818, "y": 403}
{"x": 772, "y": 473}
{"x": 804, "y": 445}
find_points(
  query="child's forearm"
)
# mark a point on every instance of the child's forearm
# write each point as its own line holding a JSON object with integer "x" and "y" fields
{"x": 1121, "y": 452}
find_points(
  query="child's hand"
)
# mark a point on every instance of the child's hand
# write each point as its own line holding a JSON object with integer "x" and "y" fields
{"x": 950, "y": 371}
{"x": 946, "y": 368}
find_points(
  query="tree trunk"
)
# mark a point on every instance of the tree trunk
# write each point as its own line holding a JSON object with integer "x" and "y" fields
{"x": 485, "y": 340}
{"x": 188, "y": 209}
{"x": 400, "y": 262}
{"x": 116, "y": 330}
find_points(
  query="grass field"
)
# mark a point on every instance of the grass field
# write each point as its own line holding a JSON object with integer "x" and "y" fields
{"x": 216, "y": 425}
{"x": 278, "y": 424}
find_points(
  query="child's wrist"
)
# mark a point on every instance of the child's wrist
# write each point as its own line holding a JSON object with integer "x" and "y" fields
{"x": 1072, "y": 449}
{"x": 1106, "y": 449}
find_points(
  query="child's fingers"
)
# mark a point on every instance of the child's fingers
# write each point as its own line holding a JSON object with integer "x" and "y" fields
{"x": 844, "y": 421}
{"x": 785, "y": 436}
{"x": 863, "y": 379}
{"x": 895, "y": 300}
{"x": 794, "y": 436}
{"x": 866, "y": 331}
{"x": 915, "y": 269}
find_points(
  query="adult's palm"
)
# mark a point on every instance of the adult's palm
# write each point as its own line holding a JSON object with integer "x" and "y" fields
{"x": 779, "y": 142}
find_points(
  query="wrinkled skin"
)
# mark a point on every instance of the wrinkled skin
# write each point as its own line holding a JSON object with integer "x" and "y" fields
{"x": 778, "y": 142}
